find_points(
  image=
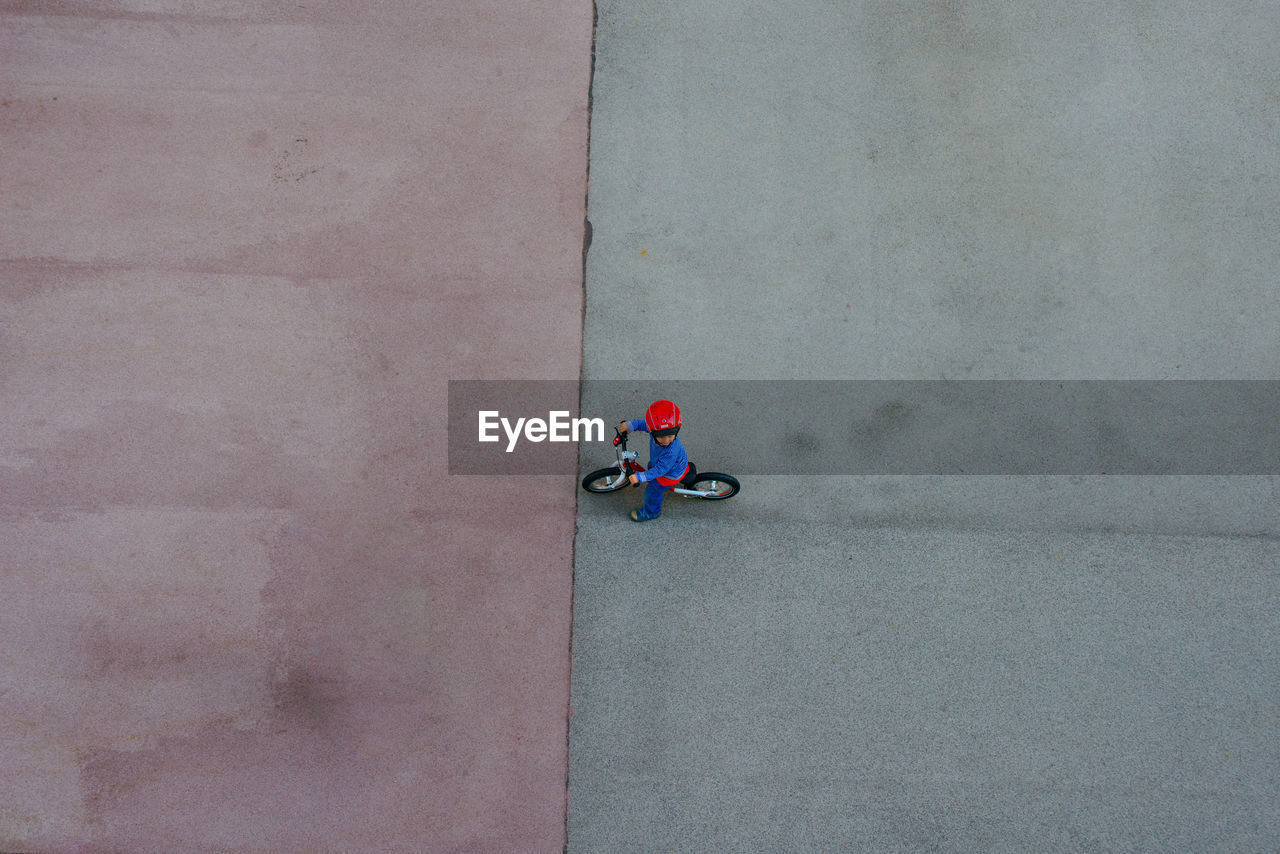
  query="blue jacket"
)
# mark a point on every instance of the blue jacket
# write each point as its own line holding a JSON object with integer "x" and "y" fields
{"x": 669, "y": 462}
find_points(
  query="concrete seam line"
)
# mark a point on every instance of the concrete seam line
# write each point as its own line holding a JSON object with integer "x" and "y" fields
{"x": 582, "y": 319}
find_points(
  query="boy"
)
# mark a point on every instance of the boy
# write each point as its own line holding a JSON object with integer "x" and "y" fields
{"x": 667, "y": 459}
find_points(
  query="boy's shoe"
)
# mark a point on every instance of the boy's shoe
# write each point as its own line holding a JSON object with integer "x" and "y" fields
{"x": 641, "y": 516}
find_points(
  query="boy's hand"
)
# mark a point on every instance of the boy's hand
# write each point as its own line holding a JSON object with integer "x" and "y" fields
{"x": 623, "y": 428}
{"x": 634, "y": 480}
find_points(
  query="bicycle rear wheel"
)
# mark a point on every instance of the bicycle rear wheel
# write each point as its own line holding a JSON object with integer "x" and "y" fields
{"x": 717, "y": 486}
{"x": 602, "y": 480}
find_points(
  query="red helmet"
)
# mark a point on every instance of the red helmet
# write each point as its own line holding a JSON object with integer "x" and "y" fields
{"x": 662, "y": 418}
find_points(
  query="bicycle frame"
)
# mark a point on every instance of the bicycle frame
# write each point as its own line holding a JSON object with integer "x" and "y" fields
{"x": 628, "y": 466}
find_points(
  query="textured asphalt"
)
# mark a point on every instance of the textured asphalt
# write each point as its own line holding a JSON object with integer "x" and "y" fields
{"x": 931, "y": 191}
{"x": 243, "y": 606}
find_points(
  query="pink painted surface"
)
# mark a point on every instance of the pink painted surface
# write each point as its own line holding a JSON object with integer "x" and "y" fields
{"x": 244, "y": 247}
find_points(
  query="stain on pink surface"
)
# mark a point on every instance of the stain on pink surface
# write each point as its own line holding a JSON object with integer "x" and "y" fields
{"x": 244, "y": 606}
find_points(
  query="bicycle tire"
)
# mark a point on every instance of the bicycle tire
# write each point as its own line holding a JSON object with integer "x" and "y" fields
{"x": 722, "y": 486}
{"x": 601, "y": 480}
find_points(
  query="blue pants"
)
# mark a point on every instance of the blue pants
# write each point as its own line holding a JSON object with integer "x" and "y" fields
{"x": 653, "y": 493}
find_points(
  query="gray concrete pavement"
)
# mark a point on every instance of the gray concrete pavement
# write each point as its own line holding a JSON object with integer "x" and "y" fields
{"x": 936, "y": 191}
{"x": 960, "y": 190}
{"x": 752, "y": 679}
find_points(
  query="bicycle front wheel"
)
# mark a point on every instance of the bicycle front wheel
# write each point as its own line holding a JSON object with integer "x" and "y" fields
{"x": 603, "y": 480}
{"x": 717, "y": 486}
